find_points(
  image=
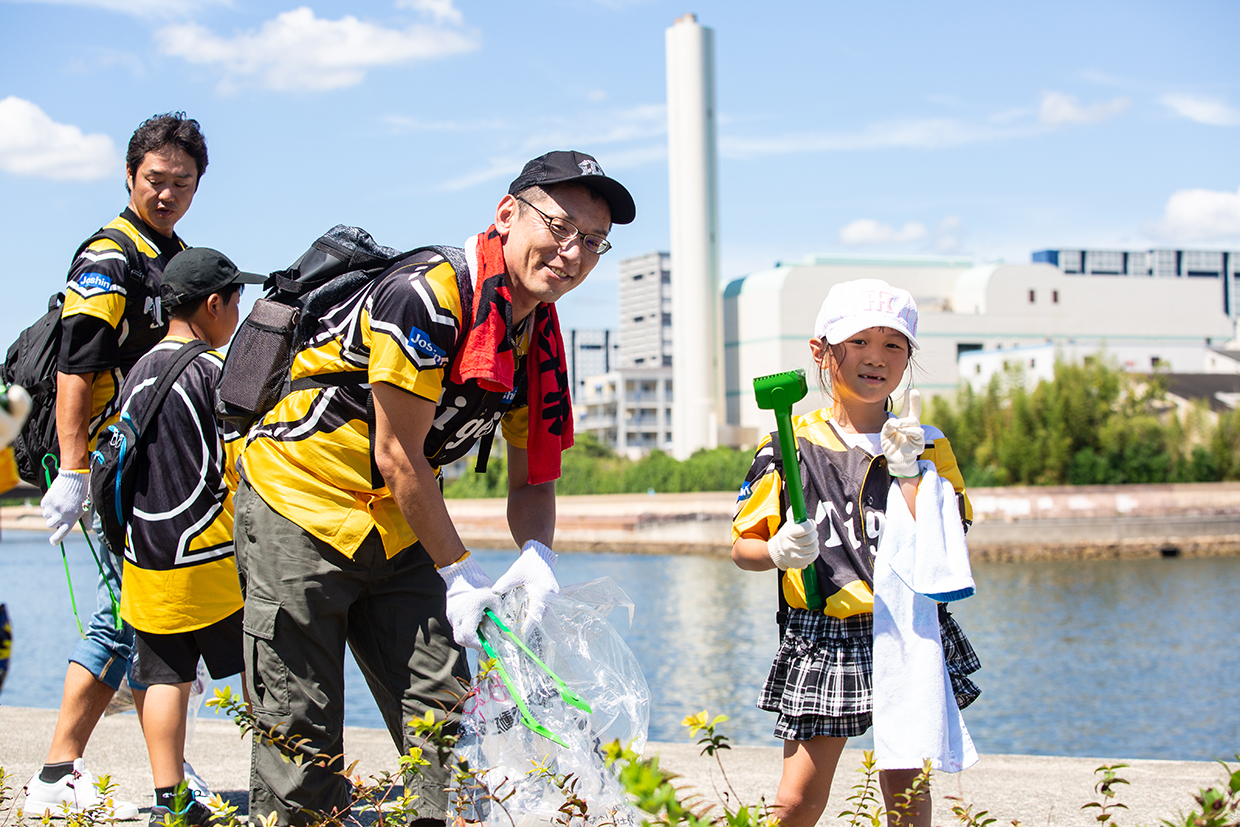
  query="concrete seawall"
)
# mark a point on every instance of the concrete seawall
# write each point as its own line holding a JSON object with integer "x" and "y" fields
{"x": 1018, "y": 523}
{"x": 1037, "y": 790}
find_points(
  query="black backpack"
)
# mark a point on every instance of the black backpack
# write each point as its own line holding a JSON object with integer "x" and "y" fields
{"x": 31, "y": 362}
{"x": 337, "y": 265}
{"x": 114, "y": 462}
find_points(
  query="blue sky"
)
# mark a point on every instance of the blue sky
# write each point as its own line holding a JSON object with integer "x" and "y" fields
{"x": 972, "y": 128}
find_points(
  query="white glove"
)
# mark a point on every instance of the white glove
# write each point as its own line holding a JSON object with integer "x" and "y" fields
{"x": 535, "y": 570}
{"x": 903, "y": 439}
{"x": 794, "y": 546}
{"x": 12, "y": 419}
{"x": 65, "y": 502}
{"x": 469, "y": 594}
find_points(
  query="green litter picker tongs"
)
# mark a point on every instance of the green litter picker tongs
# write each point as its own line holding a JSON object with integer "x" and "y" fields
{"x": 779, "y": 392}
{"x": 567, "y": 695}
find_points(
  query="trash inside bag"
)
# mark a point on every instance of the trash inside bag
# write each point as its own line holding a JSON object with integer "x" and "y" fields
{"x": 530, "y": 762}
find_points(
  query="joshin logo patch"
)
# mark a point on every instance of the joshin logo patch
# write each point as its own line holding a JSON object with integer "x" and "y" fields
{"x": 423, "y": 344}
{"x": 95, "y": 281}
{"x": 745, "y": 493}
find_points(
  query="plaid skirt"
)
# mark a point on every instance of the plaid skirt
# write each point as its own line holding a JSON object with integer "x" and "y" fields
{"x": 821, "y": 682}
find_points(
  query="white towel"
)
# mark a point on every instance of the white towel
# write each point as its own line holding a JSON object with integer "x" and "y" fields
{"x": 915, "y": 713}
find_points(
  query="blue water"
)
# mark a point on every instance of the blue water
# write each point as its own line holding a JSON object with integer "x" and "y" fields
{"x": 1110, "y": 659}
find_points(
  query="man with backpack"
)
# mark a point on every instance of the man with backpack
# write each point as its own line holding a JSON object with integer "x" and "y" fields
{"x": 342, "y": 535}
{"x": 112, "y": 315}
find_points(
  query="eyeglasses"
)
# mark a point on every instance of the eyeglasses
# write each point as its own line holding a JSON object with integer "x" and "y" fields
{"x": 565, "y": 231}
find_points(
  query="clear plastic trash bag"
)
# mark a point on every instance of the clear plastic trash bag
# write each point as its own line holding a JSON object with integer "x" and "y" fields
{"x": 519, "y": 767}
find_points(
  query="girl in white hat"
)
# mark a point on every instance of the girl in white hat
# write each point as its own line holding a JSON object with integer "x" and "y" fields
{"x": 898, "y": 662}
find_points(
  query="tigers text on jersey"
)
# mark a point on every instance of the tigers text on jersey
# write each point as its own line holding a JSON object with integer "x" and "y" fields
{"x": 179, "y": 569}
{"x": 845, "y": 495}
{"x": 310, "y": 458}
{"x": 110, "y": 317}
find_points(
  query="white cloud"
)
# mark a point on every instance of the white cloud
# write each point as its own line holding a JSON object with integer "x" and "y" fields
{"x": 297, "y": 51}
{"x": 1059, "y": 109}
{"x": 442, "y": 11}
{"x": 922, "y": 134}
{"x": 865, "y": 231}
{"x": 1200, "y": 215}
{"x": 32, "y": 144}
{"x": 1202, "y": 110}
{"x": 145, "y": 9}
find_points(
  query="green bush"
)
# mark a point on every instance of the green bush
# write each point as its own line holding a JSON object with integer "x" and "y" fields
{"x": 590, "y": 467}
{"x": 1092, "y": 424}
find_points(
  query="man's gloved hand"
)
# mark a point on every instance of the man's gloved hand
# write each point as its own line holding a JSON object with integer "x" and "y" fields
{"x": 535, "y": 570}
{"x": 902, "y": 438}
{"x": 65, "y": 502}
{"x": 469, "y": 594}
{"x": 11, "y": 420}
{"x": 794, "y": 546}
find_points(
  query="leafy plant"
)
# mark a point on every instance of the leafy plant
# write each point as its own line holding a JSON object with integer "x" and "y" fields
{"x": 1216, "y": 807}
{"x": 1105, "y": 787}
{"x": 865, "y": 806}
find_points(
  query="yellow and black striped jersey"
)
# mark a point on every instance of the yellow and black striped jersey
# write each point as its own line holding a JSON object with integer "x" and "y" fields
{"x": 110, "y": 317}
{"x": 179, "y": 569}
{"x": 311, "y": 457}
{"x": 845, "y": 495}
{"x": 8, "y": 470}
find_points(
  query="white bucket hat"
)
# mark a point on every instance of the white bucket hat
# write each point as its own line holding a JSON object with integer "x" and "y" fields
{"x": 853, "y": 306}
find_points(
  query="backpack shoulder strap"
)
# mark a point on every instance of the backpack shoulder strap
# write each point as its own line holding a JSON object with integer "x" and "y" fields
{"x": 167, "y": 378}
{"x": 132, "y": 256}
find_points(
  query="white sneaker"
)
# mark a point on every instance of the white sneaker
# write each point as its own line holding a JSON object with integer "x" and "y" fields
{"x": 196, "y": 785}
{"x": 78, "y": 790}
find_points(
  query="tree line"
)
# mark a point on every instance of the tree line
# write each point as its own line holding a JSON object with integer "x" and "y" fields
{"x": 1092, "y": 424}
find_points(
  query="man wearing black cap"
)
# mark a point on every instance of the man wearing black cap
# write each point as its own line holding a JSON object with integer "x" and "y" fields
{"x": 181, "y": 594}
{"x": 341, "y": 526}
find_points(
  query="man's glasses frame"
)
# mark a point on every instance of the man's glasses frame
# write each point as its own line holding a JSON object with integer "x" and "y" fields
{"x": 566, "y": 231}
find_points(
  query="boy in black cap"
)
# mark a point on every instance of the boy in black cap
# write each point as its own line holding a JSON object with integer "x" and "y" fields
{"x": 347, "y": 540}
{"x": 180, "y": 591}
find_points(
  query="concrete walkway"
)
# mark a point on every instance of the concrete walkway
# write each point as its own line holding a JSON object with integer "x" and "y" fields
{"x": 1032, "y": 789}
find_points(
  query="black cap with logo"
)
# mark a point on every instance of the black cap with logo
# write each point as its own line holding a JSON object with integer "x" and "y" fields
{"x": 563, "y": 167}
{"x": 200, "y": 271}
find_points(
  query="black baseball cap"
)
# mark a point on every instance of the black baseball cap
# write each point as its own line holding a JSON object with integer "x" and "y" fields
{"x": 200, "y": 271}
{"x": 565, "y": 167}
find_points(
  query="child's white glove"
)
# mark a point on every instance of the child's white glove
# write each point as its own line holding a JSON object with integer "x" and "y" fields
{"x": 794, "y": 546}
{"x": 65, "y": 502}
{"x": 902, "y": 438}
{"x": 535, "y": 570}
{"x": 11, "y": 420}
{"x": 469, "y": 595}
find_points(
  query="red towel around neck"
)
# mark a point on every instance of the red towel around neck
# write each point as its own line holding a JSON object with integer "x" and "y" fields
{"x": 488, "y": 357}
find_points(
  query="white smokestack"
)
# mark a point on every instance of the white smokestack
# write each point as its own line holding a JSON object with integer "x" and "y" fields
{"x": 696, "y": 345}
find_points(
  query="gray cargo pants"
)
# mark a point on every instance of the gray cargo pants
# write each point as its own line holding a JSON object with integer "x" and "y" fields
{"x": 303, "y": 602}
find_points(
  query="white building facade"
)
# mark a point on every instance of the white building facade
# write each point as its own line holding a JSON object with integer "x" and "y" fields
{"x": 588, "y": 353}
{"x": 629, "y": 410}
{"x": 629, "y": 406}
{"x": 646, "y": 312}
